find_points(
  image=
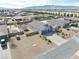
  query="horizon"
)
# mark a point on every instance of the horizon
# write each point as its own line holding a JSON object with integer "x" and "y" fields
{"x": 26, "y": 3}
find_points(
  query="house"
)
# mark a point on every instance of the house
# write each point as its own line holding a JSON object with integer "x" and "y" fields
{"x": 57, "y": 23}
{"x": 39, "y": 27}
{"x": 18, "y": 18}
{"x": 21, "y": 18}
{"x": 65, "y": 51}
{"x": 72, "y": 19}
{"x": 3, "y": 32}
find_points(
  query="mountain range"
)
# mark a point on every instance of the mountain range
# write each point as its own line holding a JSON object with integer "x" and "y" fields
{"x": 49, "y": 7}
{"x": 52, "y": 7}
{"x": 2, "y": 8}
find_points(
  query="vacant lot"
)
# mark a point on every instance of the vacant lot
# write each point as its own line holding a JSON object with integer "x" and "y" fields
{"x": 29, "y": 47}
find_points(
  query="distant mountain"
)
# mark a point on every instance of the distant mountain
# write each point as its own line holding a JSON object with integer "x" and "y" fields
{"x": 52, "y": 7}
{"x": 3, "y": 8}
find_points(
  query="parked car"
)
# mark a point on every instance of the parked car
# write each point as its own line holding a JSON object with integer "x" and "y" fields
{"x": 18, "y": 37}
{"x": 3, "y": 44}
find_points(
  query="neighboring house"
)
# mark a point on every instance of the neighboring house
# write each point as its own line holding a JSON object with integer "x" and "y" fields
{"x": 21, "y": 18}
{"x": 57, "y": 23}
{"x": 72, "y": 19}
{"x": 65, "y": 51}
{"x": 18, "y": 18}
{"x": 40, "y": 27}
{"x": 3, "y": 32}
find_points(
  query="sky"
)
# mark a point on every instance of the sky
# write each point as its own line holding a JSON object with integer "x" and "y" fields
{"x": 28, "y": 3}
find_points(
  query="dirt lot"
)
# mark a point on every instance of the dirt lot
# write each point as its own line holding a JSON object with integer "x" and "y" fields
{"x": 29, "y": 47}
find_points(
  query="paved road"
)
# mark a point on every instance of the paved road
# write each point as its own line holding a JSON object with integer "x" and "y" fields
{"x": 5, "y": 54}
{"x": 64, "y": 51}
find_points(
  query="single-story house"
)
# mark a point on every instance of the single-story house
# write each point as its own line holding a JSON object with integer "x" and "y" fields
{"x": 18, "y": 18}
{"x": 72, "y": 19}
{"x": 21, "y": 18}
{"x": 57, "y": 23}
{"x": 40, "y": 27}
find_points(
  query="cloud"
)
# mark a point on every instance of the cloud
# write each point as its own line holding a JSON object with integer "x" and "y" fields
{"x": 27, "y": 3}
{"x": 22, "y": 3}
{"x": 65, "y": 2}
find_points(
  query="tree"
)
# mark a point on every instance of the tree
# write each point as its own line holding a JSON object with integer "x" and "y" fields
{"x": 58, "y": 14}
{"x": 64, "y": 14}
{"x": 75, "y": 15}
{"x": 63, "y": 36}
{"x": 71, "y": 15}
{"x": 55, "y": 14}
{"x": 67, "y": 15}
{"x": 61, "y": 15}
{"x": 52, "y": 13}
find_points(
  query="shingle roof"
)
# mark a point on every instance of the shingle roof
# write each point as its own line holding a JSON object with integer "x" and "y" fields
{"x": 18, "y": 17}
{"x": 57, "y": 22}
{"x": 72, "y": 18}
{"x": 37, "y": 25}
{"x": 23, "y": 27}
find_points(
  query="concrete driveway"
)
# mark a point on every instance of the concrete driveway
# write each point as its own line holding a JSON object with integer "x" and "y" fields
{"x": 56, "y": 39}
{"x": 5, "y": 54}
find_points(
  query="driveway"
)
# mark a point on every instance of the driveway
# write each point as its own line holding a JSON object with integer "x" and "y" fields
{"x": 5, "y": 54}
{"x": 56, "y": 39}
